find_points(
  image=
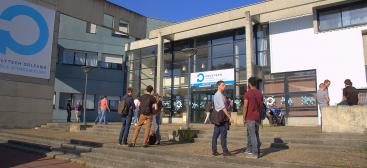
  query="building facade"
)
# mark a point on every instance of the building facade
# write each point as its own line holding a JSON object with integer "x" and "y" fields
{"x": 290, "y": 46}
{"x": 38, "y": 79}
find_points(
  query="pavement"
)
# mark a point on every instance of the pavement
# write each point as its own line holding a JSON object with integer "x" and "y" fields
{"x": 21, "y": 159}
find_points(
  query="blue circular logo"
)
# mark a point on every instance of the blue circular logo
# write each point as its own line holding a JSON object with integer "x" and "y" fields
{"x": 8, "y": 42}
{"x": 200, "y": 77}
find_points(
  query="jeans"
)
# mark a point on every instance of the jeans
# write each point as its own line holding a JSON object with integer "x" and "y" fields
{"x": 103, "y": 117}
{"x": 125, "y": 128}
{"x": 136, "y": 115}
{"x": 68, "y": 117}
{"x": 98, "y": 116}
{"x": 253, "y": 139}
{"x": 222, "y": 130}
{"x": 156, "y": 122}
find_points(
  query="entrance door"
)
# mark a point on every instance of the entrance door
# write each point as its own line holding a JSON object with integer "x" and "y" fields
{"x": 200, "y": 96}
{"x": 198, "y": 99}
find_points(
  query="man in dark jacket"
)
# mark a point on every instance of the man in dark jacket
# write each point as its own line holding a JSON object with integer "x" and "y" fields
{"x": 126, "y": 119}
{"x": 350, "y": 93}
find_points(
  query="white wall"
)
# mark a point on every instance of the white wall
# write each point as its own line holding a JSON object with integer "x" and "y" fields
{"x": 336, "y": 55}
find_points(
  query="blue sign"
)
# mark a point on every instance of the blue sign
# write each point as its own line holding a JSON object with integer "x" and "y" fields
{"x": 200, "y": 77}
{"x": 8, "y": 42}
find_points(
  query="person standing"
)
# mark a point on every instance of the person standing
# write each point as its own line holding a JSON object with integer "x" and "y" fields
{"x": 126, "y": 119}
{"x": 220, "y": 128}
{"x": 99, "y": 111}
{"x": 322, "y": 96}
{"x": 104, "y": 108}
{"x": 147, "y": 105}
{"x": 208, "y": 109}
{"x": 327, "y": 84}
{"x": 350, "y": 93}
{"x": 77, "y": 111}
{"x": 136, "y": 112}
{"x": 68, "y": 110}
{"x": 157, "y": 119}
{"x": 251, "y": 118}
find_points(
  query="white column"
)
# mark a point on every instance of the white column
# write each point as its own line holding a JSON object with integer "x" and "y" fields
{"x": 160, "y": 65}
{"x": 249, "y": 45}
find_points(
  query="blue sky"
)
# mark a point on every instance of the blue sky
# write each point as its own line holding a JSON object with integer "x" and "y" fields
{"x": 180, "y": 10}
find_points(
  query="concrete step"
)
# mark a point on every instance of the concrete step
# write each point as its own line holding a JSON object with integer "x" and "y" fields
{"x": 185, "y": 158}
{"x": 32, "y": 140}
{"x": 293, "y": 144}
{"x": 150, "y": 160}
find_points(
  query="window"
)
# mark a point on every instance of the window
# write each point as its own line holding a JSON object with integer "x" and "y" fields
{"x": 123, "y": 30}
{"x": 91, "y": 28}
{"x": 90, "y": 102}
{"x": 68, "y": 57}
{"x": 342, "y": 16}
{"x": 74, "y": 99}
{"x": 113, "y": 102}
{"x": 111, "y": 61}
{"x": 108, "y": 21}
{"x": 81, "y": 58}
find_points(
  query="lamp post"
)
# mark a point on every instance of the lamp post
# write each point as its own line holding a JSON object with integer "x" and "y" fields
{"x": 85, "y": 69}
{"x": 189, "y": 52}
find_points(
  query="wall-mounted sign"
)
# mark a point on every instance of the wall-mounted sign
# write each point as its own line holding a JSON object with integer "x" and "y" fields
{"x": 209, "y": 78}
{"x": 26, "y": 36}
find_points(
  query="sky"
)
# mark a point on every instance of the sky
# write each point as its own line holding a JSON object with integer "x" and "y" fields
{"x": 180, "y": 10}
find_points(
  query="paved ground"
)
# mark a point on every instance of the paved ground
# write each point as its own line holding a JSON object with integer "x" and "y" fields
{"x": 20, "y": 159}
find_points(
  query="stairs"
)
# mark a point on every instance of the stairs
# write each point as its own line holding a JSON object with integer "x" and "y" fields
{"x": 281, "y": 147}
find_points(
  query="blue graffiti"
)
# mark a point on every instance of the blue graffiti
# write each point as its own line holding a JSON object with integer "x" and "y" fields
{"x": 8, "y": 42}
{"x": 308, "y": 100}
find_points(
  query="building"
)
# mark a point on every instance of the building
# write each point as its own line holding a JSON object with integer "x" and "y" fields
{"x": 37, "y": 79}
{"x": 291, "y": 46}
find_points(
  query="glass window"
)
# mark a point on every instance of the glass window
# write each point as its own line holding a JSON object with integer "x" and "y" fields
{"x": 113, "y": 102}
{"x": 63, "y": 100}
{"x": 90, "y": 102}
{"x": 262, "y": 58}
{"x": 108, "y": 20}
{"x": 222, "y": 63}
{"x": 147, "y": 73}
{"x": 145, "y": 82}
{"x": 68, "y": 57}
{"x": 77, "y": 98}
{"x": 92, "y": 59}
{"x": 330, "y": 20}
{"x": 223, "y": 50}
{"x": 148, "y": 62}
{"x": 354, "y": 16}
{"x": 79, "y": 58}
{"x": 91, "y": 28}
{"x": 124, "y": 27}
{"x": 223, "y": 40}
{"x": 149, "y": 51}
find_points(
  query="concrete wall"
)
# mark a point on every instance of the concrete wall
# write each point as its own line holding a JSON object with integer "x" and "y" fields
{"x": 344, "y": 119}
{"x": 336, "y": 55}
{"x": 26, "y": 102}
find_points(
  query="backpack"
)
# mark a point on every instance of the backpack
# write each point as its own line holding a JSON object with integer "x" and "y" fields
{"x": 122, "y": 108}
{"x": 261, "y": 108}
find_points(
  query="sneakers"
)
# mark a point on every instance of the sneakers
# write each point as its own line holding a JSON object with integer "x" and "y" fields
{"x": 131, "y": 145}
{"x": 252, "y": 156}
{"x": 215, "y": 153}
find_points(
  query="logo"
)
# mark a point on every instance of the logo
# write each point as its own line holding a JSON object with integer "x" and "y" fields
{"x": 200, "y": 77}
{"x": 8, "y": 42}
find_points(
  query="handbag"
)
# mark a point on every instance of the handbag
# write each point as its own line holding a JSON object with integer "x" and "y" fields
{"x": 217, "y": 117}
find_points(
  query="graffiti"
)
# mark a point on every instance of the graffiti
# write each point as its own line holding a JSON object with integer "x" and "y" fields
{"x": 290, "y": 101}
{"x": 308, "y": 100}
